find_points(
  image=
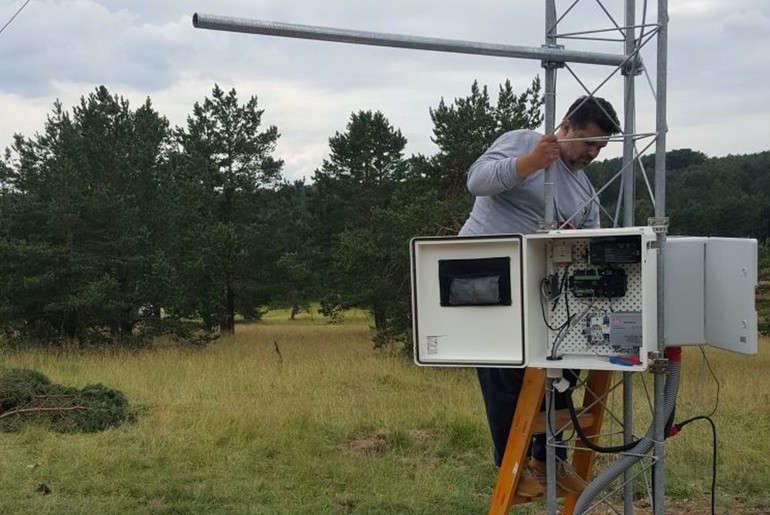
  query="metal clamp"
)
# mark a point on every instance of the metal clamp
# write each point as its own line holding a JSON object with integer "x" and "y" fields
{"x": 552, "y": 65}
{"x": 658, "y": 224}
{"x": 658, "y": 364}
{"x": 547, "y": 226}
{"x": 632, "y": 67}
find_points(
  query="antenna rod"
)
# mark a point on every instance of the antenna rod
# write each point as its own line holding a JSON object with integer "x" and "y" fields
{"x": 292, "y": 30}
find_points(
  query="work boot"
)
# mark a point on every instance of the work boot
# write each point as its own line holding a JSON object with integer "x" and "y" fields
{"x": 529, "y": 484}
{"x": 567, "y": 480}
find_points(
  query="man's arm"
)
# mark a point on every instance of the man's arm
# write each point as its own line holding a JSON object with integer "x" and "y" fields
{"x": 512, "y": 158}
{"x": 545, "y": 152}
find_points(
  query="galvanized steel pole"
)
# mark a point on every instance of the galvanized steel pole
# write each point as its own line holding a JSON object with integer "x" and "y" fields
{"x": 548, "y": 177}
{"x": 550, "y": 101}
{"x": 629, "y": 128}
{"x": 661, "y": 125}
{"x": 291, "y": 30}
{"x": 659, "y": 451}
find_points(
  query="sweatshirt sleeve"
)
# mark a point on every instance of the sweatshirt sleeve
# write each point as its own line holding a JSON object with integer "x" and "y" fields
{"x": 495, "y": 171}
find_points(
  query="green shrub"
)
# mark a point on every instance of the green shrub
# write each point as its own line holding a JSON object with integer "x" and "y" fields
{"x": 27, "y": 397}
{"x": 18, "y": 387}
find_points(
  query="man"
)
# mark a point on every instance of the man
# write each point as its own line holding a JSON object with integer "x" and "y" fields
{"x": 508, "y": 183}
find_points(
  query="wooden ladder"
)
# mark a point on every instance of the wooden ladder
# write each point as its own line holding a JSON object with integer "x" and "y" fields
{"x": 528, "y": 420}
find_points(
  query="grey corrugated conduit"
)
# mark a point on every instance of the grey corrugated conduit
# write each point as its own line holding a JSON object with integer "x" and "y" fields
{"x": 644, "y": 446}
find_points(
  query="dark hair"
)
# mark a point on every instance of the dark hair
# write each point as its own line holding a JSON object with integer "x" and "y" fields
{"x": 590, "y": 109}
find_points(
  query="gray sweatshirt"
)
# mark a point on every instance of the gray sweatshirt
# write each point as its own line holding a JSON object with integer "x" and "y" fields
{"x": 506, "y": 204}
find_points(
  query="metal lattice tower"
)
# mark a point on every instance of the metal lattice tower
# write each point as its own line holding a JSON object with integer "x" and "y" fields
{"x": 635, "y": 35}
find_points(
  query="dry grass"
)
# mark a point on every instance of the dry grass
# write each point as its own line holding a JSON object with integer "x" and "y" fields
{"x": 237, "y": 425}
{"x": 300, "y": 418}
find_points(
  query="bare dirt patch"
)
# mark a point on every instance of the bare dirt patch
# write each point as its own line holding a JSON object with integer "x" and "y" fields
{"x": 367, "y": 445}
{"x": 382, "y": 441}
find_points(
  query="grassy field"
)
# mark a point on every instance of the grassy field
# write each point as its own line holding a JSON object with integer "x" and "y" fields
{"x": 308, "y": 418}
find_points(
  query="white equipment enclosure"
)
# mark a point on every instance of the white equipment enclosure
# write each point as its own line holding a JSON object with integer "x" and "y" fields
{"x": 584, "y": 299}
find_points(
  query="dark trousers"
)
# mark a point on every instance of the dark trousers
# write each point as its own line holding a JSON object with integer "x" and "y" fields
{"x": 500, "y": 388}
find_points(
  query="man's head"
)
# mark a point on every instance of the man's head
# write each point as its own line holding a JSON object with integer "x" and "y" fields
{"x": 588, "y": 117}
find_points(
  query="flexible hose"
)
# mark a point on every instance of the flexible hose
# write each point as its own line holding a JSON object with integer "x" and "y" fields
{"x": 645, "y": 444}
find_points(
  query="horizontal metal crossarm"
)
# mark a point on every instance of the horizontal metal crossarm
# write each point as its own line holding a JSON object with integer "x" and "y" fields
{"x": 291, "y": 30}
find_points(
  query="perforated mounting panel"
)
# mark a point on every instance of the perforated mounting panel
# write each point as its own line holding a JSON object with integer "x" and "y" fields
{"x": 574, "y": 341}
{"x": 575, "y": 348}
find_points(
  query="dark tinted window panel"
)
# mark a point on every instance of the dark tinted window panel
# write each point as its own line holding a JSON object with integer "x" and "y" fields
{"x": 475, "y": 282}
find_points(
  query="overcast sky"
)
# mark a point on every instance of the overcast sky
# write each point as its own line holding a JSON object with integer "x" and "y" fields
{"x": 718, "y": 78}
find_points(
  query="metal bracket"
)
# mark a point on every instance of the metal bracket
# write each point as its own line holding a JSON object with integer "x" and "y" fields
{"x": 657, "y": 363}
{"x": 547, "y": 226}
{"x": 552, "y": 65}
{"x": 632, "y": 67}
{"x": 658, "y": 224}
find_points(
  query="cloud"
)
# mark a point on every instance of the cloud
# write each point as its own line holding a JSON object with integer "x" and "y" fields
{"x": 82, "y": 41}
{"x": 64, "y": 48}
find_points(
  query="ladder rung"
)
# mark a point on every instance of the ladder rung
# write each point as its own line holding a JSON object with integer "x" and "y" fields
{"x": 562, "y": 420}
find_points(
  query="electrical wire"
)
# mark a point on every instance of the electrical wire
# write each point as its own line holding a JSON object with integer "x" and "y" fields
{"x": 562, "y": 293}
{"x": 14, "y": 16}
{"x": 678, "y": 427}
{"x": 569, "y": 324}
{"x": 557, "y": 341}
{"x": 542, "y": 304}
{"x": 587, "y": 442}
{"x": 716, "y": 381}
{"x": 673, "y": 429}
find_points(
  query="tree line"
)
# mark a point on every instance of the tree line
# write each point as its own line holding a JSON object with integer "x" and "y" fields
{"x": 117, "y": 227}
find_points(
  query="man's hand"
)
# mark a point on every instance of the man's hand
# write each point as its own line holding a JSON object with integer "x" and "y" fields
{"x": 544, "y": 154}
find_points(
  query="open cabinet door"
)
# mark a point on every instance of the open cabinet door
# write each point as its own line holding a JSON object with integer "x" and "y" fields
{"x": 467, "y": 301}
{"x": 731, "y": 280}
{"x": 684, "y": 290}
